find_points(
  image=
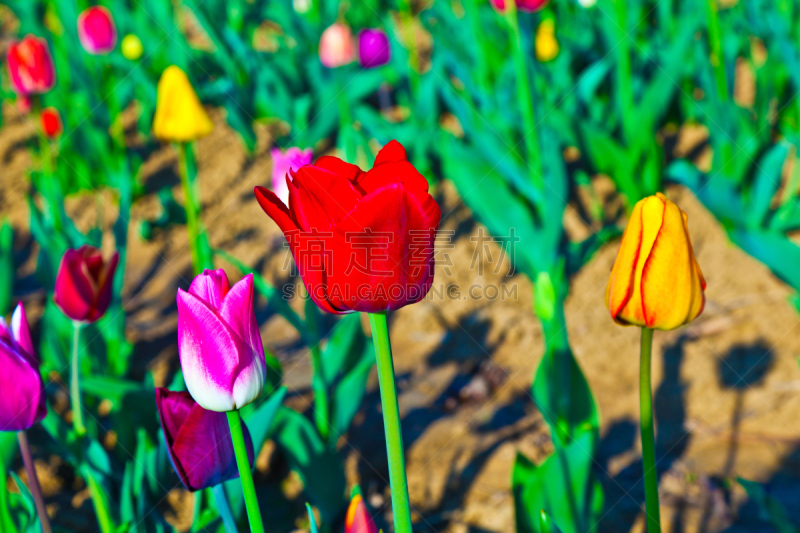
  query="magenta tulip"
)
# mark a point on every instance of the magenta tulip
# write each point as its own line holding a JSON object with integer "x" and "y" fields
{"x": 219, "y": 343}
{"x": 83, "y": 284}
{"x": 282, "y": 164}
{"x": 96, "y": 30}
{"x": 529, "y": 6}
{"x": 198, "y": 441}
{"x": 30, "y": 66}
{"x": 374, "y": 49}
{"x": 23, "y": 390}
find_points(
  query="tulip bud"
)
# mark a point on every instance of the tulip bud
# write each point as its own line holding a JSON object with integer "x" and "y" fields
{"x": 219, "y": 343}
{"x": 358, "y": 519}
{"x": 96, "y": 30}
{"x": 528, "y": 6}
{"x": 51, "y": 123}
{"x": 30, "y": 66}
{"x": 656, "y": 282}
{"x": 374, "y": 49}
{"x": 83, "y": 284}
{"x": 198, "y": 441}
{"x": 546, "y": 43}
{"x": 180, "y": 116}
{"x": 131, "y": 47}
{"x": 336, "y": 46}
{"x": 23, "y": 390}
{"x": 285, "y": 162}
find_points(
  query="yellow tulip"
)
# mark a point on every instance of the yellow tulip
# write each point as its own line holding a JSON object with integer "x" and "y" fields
{"x": 180, "y": 116}
{"x": 656, "y": 282}
{"x": 546, "y": 43}
{"x": 132, "y": 48}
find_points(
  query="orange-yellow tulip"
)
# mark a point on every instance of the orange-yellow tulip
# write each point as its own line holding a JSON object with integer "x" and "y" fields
{"x": 656, "y": 282}
{"x": 180, "y": 116}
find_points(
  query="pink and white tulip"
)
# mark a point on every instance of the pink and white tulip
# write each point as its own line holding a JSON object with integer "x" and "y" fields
{"x": 219, "y": 343}
{"x": 282, "y": 164}
{"x": 23, "y": 402}
{"x": 96, "y": 30}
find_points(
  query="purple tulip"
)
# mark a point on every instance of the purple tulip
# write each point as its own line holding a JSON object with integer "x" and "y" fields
{"x": 23, "y": 390}
{"x": 219, "y": 343}
{"x": 283, "y": 163}
{"x": 198, "y": 441}
{"x": 374, "y": 49}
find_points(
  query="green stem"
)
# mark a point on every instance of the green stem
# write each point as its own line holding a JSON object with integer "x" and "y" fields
{"x": 245, "y": 475}
{"x": 410, "y": 38}
{"x": 321, "y": 409}
{"x": 33, "y": 482}
{"x": 715, "y": 44}
{"x": 100, "y": 505}
{"x": 401, "y": 508}
{"x": 75, "y": 383}
{"x": 624, "y": 83}
{"x": 648, "y": 436}
{"x": 47, "y": 183}
{"x": 198, "y": 241}
{"x": 345, "y": 124}
{"x": 524, "y": 96}
{"x": 224, "y": 509}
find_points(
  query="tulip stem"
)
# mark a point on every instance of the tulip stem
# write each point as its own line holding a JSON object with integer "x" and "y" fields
{"x": 100, "y": 504}
{"x": 401, "y": 509}
{"x": 624, "y": 81}
{"x": 75, "y": 383}
{"x": 33, "y": 482}
{"x": 245, "y": 475}
{"x": 224, "y": 509}
{"x": 715, "y": 43}
{"x": 198, "y": 240}
{"x": 321, "y": 409}
{"x": 648, "y": 436}
{"x": 524, "y": 96}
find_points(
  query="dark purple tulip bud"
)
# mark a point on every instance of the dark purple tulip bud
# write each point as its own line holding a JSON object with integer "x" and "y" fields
{"x": 198, "y": 441}
{"x": 374, "y": 49}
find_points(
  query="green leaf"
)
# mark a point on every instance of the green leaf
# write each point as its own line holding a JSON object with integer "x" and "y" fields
{"x": 770, "y": 509}
{"x": 349, "y": 392}
{"x": 7, "y": 272}
{"x": 259, "y": 420}
{"x": 311, "y": 522}
{"x": 766, "y": 181}
{"x": 773, "y": 249}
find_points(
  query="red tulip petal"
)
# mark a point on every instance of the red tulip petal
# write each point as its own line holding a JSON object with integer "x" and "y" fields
{"x": 105, "y": 288}
{"x": 388, "y": 173}
{"x": 320, "y": 198}
{"x": 339, "y": 167}
{"x": 74, "y": 292}
{"x": 392, "y": 152}
{"x": 276, "y": 209}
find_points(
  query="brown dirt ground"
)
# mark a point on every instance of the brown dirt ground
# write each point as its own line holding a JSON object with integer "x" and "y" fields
{"x": 465, "y": 366}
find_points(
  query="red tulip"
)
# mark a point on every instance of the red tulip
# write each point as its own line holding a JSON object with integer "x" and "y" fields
{"x": 529, "y": 6}
{"x": 23, "y": 391}
{"x": 363, "y": 241}
{"x": 358, "y": 519}
{"x": 96, "y": 30}
{"x": 30, "y": 66}
{"x": 83, "y": 284}
{"x": 51, "y": 123}
{"x": 198, "y": 441}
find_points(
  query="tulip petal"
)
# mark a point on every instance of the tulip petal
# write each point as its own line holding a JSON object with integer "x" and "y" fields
{"x": 209, "y": 352}
{"x": 73, "y": 293}
{"x": 21, "y": 332}
{"x": 339, "y": 167}
{"x": 276, "y": 209}
{"x": 620, "y": 285}
{"x": 211, "y": 287}
{"x": 385, "y": 245}
{"x": 23, "y": 391}
{"x": 237, "y": 311}
{"x": 393, "y": 172}
{"x": 320, "y": 198}
{"x": 105, "y": 289}
{"x": 392, "y": 152}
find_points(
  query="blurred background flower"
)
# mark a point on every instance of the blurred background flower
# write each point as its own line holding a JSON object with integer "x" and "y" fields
{"x": 30, "y": 66}
{"x": 96, "y": 30}
{"x": 374, "y": 49}
{"x": 336, "y": 47}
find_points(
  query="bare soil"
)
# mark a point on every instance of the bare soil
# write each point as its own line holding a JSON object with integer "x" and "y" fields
{"x": 727, "y": 388}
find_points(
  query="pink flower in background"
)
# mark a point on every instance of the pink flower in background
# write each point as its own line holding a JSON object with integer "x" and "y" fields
{"x": 358, "y": 519}
{"x": 529, "y": 6}
{"x": 198, "y": 441}
{"x": 374, "y": 49}
{"x": 83, "y": 284}
{"x": 96, "y": 30}
{"x": 336, "y": 47}
{"x": 30, "y": 66}
{"x": 219, "y": 343}
{"x": 285, "y": 162}
{"x": 23, "y": 390}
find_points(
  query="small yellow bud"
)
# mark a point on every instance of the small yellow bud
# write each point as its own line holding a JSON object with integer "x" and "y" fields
{"x": 546, "y": 43}
{"x": 180, "y": 116}
{"x": 132, "y": 48}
